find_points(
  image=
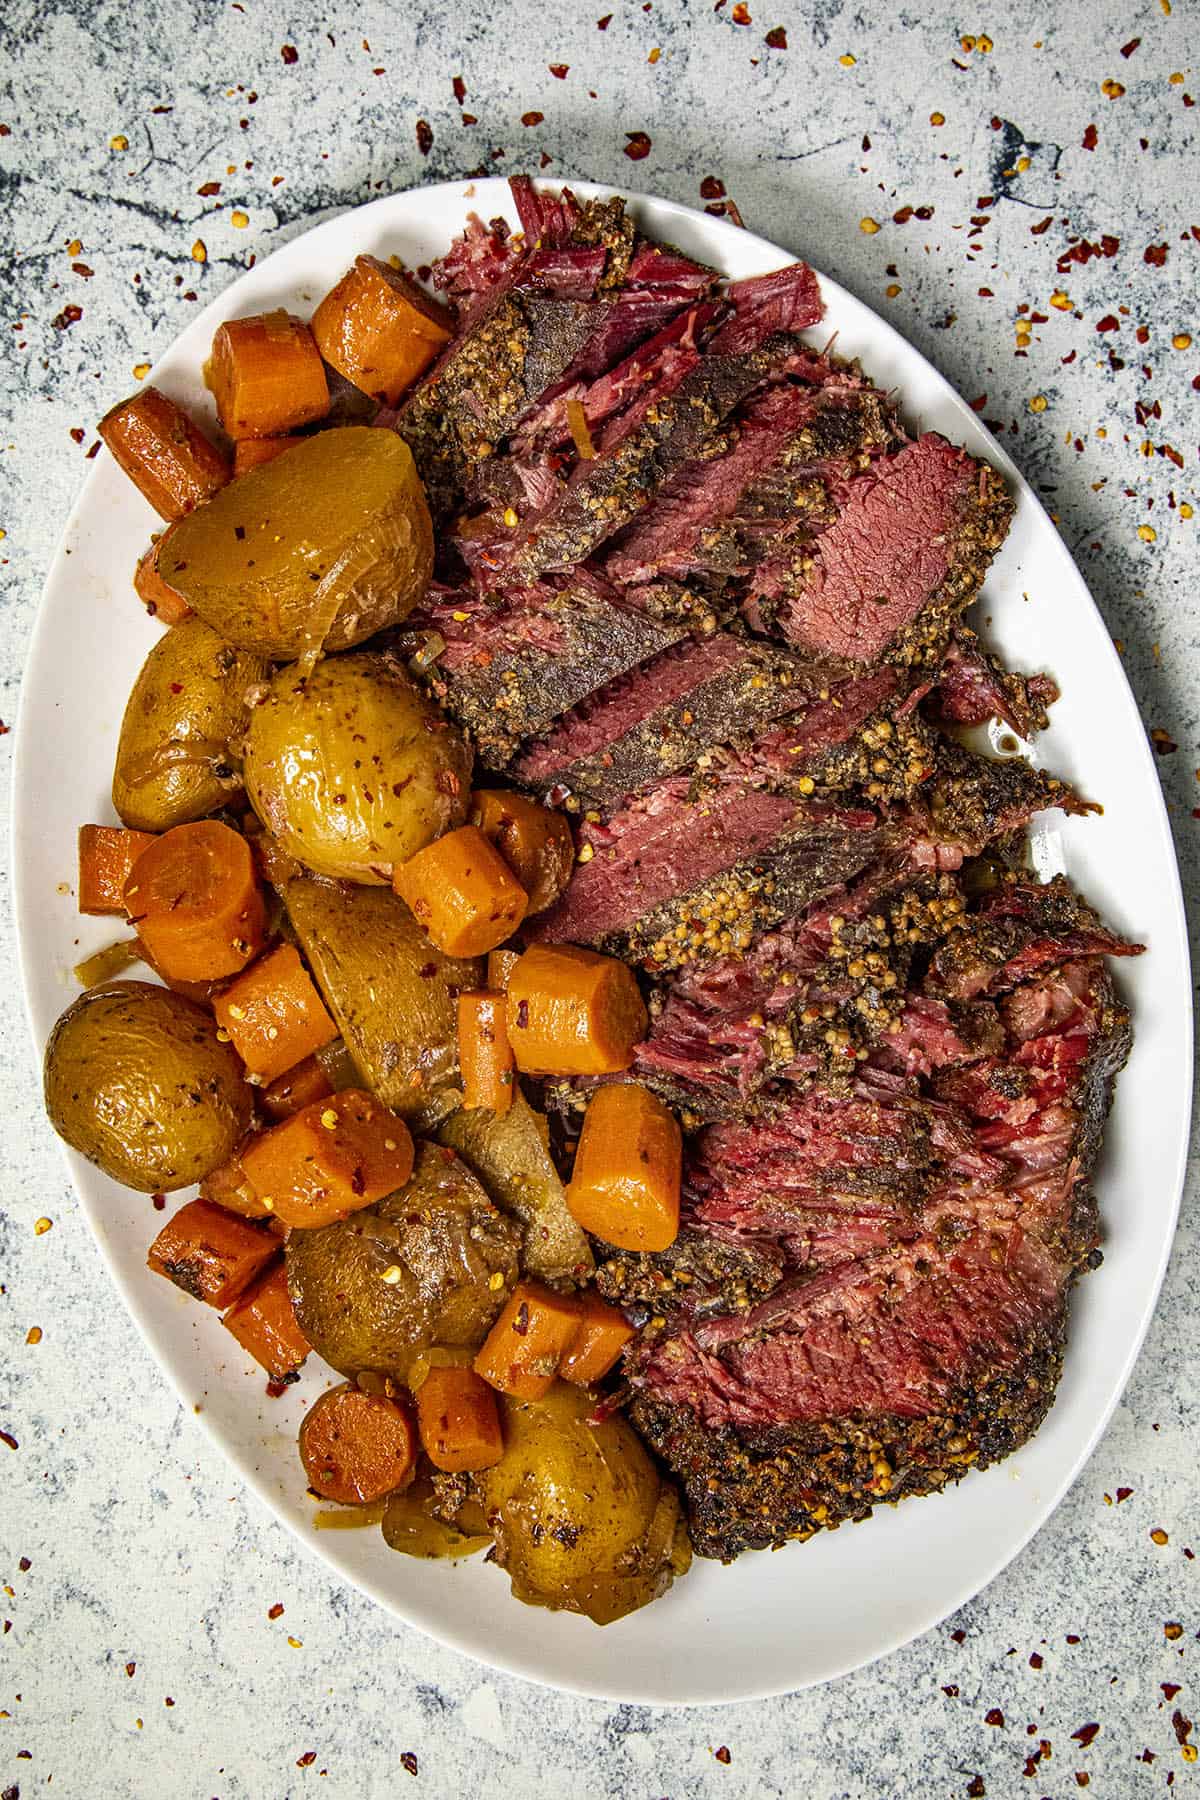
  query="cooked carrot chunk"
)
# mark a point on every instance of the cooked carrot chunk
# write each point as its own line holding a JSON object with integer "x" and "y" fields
{"x": 329, "y": 1159}
{"x": 229, "y": 1186}
{"x": 535, "y": 842}
{"x": 573, "y": 1012}
{"x": 458, "y": 1421}
{"x": 196, "y": 901}
{"x": 107, "y": 853}
{"x": 356, "y": 1447}
{"x": 274, "y": 1014}
{"x": 625, "y": 1184}
{"x": 250, "y": 453}
{"x": 267, "y": 376}
{"x": 295, "y": 1088}
{"x": 264, "y": 1322}
{"x": 462, "y": 893}
{"x": 484, "y": 1054}
{"x": 160, "y": 600}
{"x": 209, "y": 1253}
{"x": 163, "y": 453}
{"x": 380, "y": 330}
{"x": 602, "y": 1334}
{"x": 500, "y": 966}
{"x": 521, "y": 1353}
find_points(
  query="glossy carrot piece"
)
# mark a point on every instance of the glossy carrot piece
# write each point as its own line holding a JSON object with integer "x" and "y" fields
{"x": 458, "y": 1421}
{"x": 602, "y": 1334}
{"x": 251, "y": 453}
{"x": 164, "y": 454}
{"x": 573, "y": 1012}
{"x": 535, "y": 843}
{"x": 329, "y": 1159}
{"x": 267, "y": 376}
{"x": 356, "y": 1447}
{"x": 274, "y": 1014}
{"x": 462, "y": 893}
{"x": 295, "y": 1088}
{"x": 625, "y": 1184}
{"x": 211, "y": 1254}
{"x": 500, "y": 965}
{"x": 107, "y": 854}
{"x": 196, "y": 902}
{"x": 485, "y": 1056}
{"x": 229, "y": 1187}
{"x": 521, "y": 1353}
{"x": 264, "y": 1322}
{"x": 160, "y": 600}
{"x": 380, "y": 330}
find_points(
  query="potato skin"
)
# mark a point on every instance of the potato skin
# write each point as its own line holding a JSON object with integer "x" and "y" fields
{"x": 180, "y": 742}
{"x": 580, "y": 1517}
{"x": 446, "y": 1239}
{"x": 317, "y": 550}
{"x": 393, "y": 995}
{"x": 353, "y": 768}
{"x": 137, "y": 1081}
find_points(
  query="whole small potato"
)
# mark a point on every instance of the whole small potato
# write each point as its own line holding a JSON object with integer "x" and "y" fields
{"x": 178, "y": 753}
{"x": 317, "y": 550}
{"x": 137, "y": 1080}
{"x": 353, "y": 768}
{"x": 580, "y": 1516}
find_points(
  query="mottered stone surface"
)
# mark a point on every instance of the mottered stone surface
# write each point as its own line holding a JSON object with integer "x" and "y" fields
{"x": 1021, "y": 202}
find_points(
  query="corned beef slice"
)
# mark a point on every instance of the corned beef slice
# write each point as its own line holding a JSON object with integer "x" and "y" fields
{"x": 789, "y": 299}
{"x": 676, "y": 875}
{"x": 1021, "y": 929}
{"x": 510, "y": 669}
{"x": 972, "y": 687}
{"x": 658, "y": 718}
{"x": 906, "y": 554}
{"x": 893, "y": 1372}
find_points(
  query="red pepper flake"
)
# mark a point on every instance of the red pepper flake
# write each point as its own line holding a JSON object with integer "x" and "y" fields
{"x": 532, "y": 118}
{"x": 6, "y": 1437}
{"x": 77, "y": 434}
{"x": 158, "y": 1202}
{"x": 1082, "y": 1778}
{"x": 722, "y": 1754}
{"x": 5, "y": 130}
{"x": 777, "y": 38}
{"x": 276, "y": 1611}
{"x": 604, "y": 23}
{"x": 1043, "y": 225}
{"x": 1090, "y": 138}
{"x": 1086, "y": 1735}
{"x": 902, "y": 215}
{"x": 70, "y": 315}
{"x": 951, "y": 1691}
{"x": 959, "y": 1636}
{"x": 560, "y": 71}
{"x": 1036, "y": 1661}
{"x": 469, "y": 119}
{"x": 289, "y": 53}
{"x": 307, "y": 1760}
{"x": 459, "y": 88}
{"x": 94, "y": 451}
{"x": 1109, "y": 322}
{"x": 408, "y": 1761}
{"x": 1155, "y": 255}
{"x": 1128, "y": 49}
{"x": 638, "y": 145}
{"x": 208, "y": 189}
{"x": 1169, "y": 1688}
{"x": 1123, "y": 1493}
{"x": 741, "y": 14}
{"x": 993, "y": 1716}
{"x": 978, "y": 404}
{"x": 24, "y": 1565}
{"x": 986, "y": 293}
{"x": 975, "y": 1788}
{"x": 1181, "y": 1727}
{"x": 923, "y": 212}
{"x": 131, "y": 1669}
{"x": 167, "y": 1700}
{"x": 712, "y": 188}
{"x": 424, "y": 136}
{"x": 1165, "y": 745}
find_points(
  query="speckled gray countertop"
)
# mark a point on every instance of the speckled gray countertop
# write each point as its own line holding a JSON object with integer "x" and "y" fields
{"x": 1016, "y": 190}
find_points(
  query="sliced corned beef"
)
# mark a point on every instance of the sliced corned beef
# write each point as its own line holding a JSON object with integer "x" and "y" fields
{"x": 971, "y": 800}
{"x": 907, "y": 553}
{"x": 1021, "y": 929}
{"x": 789, "y": 299}
{"x": 660, "y": 717}
{"x": 973, "y": 687}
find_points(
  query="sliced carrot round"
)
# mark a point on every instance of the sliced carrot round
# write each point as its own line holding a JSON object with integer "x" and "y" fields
{"x": 356, "y": 1447}
{"x": 196, "y": 902}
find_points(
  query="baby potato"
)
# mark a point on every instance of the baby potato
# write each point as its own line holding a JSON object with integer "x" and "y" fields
{"x": 137, "y": 1080}
{"x": 580, "y": 1516}
{"x": 316, "y": 550}
{"x": 352, "y": 768}
{"x": 179, "y": 749}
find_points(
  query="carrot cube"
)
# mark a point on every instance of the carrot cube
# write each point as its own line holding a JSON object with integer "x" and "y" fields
{"x": 210, "y": 1254}
{"x": 602, "y": 1334}
{"x": 107, "y": 854}
{"x": 521, "y": 1353}
{"x": 163, "y": 453}
{"x": 462, "y": 893}
{"x": 485, "y": 1057}
{"x": 296, "y": 1087}
{"x": 249, "y": 453}
{"x": 267, "y": 376}
{"x": 160, "y": 600}
{"x": 274, "y": 1014}
{"x": 573, "y": 1012}
{"x": 229, "y": 1187}
{"x": 264, "y": 1322}
{"x": 625, "y": 1184}
{"x": 330, "y": 1159}
{"x": 380, "y": 330}
{"x": 458, "y": 1421}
